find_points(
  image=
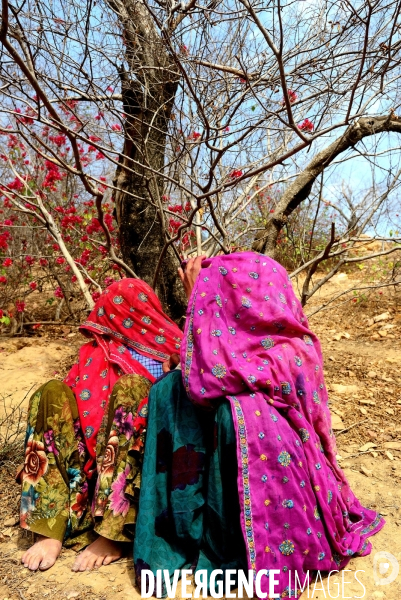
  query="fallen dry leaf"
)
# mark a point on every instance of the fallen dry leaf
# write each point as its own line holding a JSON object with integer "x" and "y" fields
{"x": 367, "y": 446}
{"x": 382, "y": 317}
{"x": 338, "y": 388}
{"x": 336, "y": 423}
{"x": 392, "y": 445}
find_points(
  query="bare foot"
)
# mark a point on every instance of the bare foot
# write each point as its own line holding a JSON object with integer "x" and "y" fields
{"x": 101, "y": 552}
{"x": 42, "y": 555}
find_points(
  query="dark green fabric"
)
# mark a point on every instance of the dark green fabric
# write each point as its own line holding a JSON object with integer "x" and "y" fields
{"x": 189, "y": 512}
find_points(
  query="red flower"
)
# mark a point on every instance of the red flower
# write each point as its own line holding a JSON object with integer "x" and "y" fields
{"x": 20, "y": 306}
{"x": 292, "y": 96}
{"x": 43, "y": 262}
{"x": 3, "y": 279}
{"x": 306, "y": 125}
{"x": 58, "y": 292}
{"x": 60, "y": 260}
{"x": 59, "y": 140}
{"x": 33, "y": 285}
{"x": 74, "y": 278}
{"x": 195, "y": 135}
{"x": 116, "y": 127}
{"x": 16, "y": 184}
{"x": 110, "y": 455}
{"x": 80, "y": 503}
{"x": 95, "y": 296}
{"x": 7, "y": 262}
{"x": 36, "y": 462}
{"x": 236, "y": 173}
{"x": 30, "y": 260}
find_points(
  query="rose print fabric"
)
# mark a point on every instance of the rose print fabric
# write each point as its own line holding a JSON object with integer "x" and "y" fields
{"x": 58, "y": 500}
{"x": 247, "y": 341}
{"x": 127, "y": 315}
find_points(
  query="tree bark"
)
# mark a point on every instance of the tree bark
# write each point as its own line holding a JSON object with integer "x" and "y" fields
{"x": 148, "y": 91}
{"x": 266, "y": 241}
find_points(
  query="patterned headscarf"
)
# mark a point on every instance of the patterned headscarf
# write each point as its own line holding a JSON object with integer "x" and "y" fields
{"x": 247, "y": 340}
{"x": 128, "y": 314}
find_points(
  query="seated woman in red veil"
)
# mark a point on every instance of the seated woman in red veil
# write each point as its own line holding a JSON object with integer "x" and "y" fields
{"x": 85, "y": 436}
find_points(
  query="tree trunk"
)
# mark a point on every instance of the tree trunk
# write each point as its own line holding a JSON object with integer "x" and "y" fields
{"x": 148, "y": 92}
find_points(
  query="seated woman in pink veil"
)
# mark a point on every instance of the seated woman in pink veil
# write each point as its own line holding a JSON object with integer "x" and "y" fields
{"x": 251, "y": 379}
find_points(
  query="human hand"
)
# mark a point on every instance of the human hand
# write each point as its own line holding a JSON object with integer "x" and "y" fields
{"x": 189, "y": 276}
{"x": 171, "y": 363}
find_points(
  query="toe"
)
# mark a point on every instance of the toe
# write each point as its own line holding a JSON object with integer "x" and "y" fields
{"x": 77, "y": 563}
{"x": 46, "y": 563}
{"x": 83, "y": 563}
{"x": 100, "y": 561}
{"x": 34, "y": 562}
{"x": 108, "y": 559}
{"x": 91, "y": 562}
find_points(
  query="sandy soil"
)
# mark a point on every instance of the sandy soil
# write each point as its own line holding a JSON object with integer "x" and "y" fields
{"x": 362, "y": 367}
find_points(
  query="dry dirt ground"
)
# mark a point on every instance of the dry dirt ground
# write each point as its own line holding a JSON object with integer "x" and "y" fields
{"x": 362, "y": 367}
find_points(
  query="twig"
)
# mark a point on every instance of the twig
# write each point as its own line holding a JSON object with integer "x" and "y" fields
{"x": 62, "y": 323}
{"x": 312, "y": 270}
{"x": 351, "y": 426}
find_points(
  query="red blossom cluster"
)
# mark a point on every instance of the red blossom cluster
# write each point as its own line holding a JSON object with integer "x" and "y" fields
{"x": 306, "y": 125}
{"x": 292, "y": 97}
{"x": 28, "y": 117}
{"x": 174, "y": 225}
{"x": 20, "y": 306}
{"x": 52, "y": 176}
{"x": 236, "y": 173}
{"x": 29, "y": 259}
{"x": 59, "y": 140}
{"x": 194, "y": 136}
{"x": 4, "y": 238}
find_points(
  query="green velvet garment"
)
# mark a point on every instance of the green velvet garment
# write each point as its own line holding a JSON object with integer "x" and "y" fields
{"x": 189, "y": 513}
